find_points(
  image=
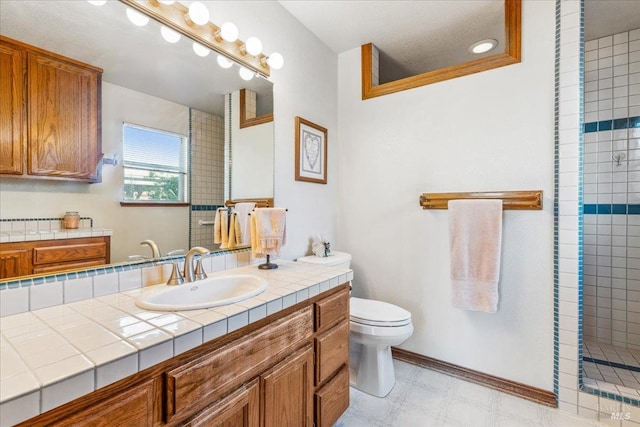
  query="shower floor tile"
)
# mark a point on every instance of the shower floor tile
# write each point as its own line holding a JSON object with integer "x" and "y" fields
{"x": 610, "y": 374}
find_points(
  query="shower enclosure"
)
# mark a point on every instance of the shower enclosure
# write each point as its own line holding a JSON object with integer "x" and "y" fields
{"x": 611, "y": 196}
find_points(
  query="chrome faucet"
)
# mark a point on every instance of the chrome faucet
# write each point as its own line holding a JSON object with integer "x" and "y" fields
{"x": 155, "y": 252}
{"x": 192, "y": 274}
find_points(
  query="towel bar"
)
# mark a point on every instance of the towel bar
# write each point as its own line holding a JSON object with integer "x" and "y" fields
{"x": 265, "y": 202}
{"x": 511, "y": 200}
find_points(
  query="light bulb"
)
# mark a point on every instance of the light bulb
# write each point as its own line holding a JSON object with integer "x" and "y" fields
{"x": 246, "y": 74}
{"x": 97, "y": 2}
{"x": 169, "y": 34}
{"x": 167, "y": 2}
{"x": 229, "y": 32}
{"x": 137, "y": 18}
{"x": 253, "y": 46}
{"x": 275, "y": 61}
{"x": 224, "y": 62}
{"x": 198, "y": 13}
{"x": 200, "y": 50}
{"x": 483, "y": 46}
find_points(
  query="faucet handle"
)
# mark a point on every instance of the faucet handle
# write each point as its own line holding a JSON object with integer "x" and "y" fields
{"x": 200, "y": 273}
{"x": 176, "y": 277}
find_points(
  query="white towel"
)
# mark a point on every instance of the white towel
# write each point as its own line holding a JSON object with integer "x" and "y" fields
{"x": 243, "y": 237}
{"x": 475, "y": 237}
{"x": 268, "y": 231}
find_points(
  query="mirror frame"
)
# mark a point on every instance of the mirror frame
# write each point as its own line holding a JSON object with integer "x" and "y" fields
{"x": 511, "y": 55}
{"x": 245, "y": 120}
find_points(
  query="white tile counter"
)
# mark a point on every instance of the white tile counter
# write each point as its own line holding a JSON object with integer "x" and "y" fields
{"x": 32, "y": 235}
{"x": 56, "y": 354}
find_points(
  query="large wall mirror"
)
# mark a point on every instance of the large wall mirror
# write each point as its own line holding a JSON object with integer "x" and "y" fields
{"x": 453, "y": 49}
{"x": 155, "y": 84}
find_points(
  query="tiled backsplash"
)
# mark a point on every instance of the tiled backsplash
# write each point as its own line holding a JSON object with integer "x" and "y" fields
{"x": 23, "y": 295}
{"x": 26, "y": 229}
{"x": 612, "y": 189}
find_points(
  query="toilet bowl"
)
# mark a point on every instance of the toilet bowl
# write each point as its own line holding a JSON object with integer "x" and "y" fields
{"x": 375, "y": 326}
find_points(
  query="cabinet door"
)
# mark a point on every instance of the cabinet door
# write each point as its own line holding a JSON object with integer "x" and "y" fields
{"x": 134, "y": 407}
{"x": 288, "y": 391}
{"x": 14, "y": 262}
{"x": 239, "y": 409}
{"x": 64, "y": 127}
{"x": 12, "y": 131}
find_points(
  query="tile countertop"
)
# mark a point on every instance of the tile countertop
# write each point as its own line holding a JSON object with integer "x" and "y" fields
{"x": 63, "y": 233}
{"x": 56, "y": 354}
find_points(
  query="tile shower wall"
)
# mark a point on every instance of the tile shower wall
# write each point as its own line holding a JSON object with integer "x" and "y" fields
{"x": 612, "y": 190}
{"x": 207, "y": 174}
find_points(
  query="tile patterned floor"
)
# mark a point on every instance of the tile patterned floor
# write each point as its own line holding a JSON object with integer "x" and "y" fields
{"x": 423, "y": 398}
{"x": 611, "y": 375}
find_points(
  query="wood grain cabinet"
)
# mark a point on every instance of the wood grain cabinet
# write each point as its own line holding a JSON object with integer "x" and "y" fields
{"x": 50, "y": 256}
{"x": 259, "y": 376}
{"x": 50, "y": 123}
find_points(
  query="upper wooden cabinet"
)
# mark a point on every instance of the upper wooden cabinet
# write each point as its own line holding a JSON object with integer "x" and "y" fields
{"x": 50, "y": 117}
{"x": 12, "y": 123}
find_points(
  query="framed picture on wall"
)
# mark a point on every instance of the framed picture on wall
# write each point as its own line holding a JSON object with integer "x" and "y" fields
{"x": 311, "y": 152}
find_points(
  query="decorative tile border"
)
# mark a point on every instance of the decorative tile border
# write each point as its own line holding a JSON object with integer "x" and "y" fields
{"x": 35, "y": 281}
{"x": 615, "y": 124}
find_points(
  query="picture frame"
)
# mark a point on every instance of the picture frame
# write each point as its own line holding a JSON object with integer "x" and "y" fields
{"x": 310, "y": 152}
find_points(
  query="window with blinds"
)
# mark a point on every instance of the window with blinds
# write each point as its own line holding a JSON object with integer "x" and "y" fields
{"x": 155, "y": 165}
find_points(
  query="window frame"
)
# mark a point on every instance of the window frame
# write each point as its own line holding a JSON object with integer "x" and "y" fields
{"x": 184, "y": 176}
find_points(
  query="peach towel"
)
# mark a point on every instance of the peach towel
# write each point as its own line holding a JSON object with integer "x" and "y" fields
{"x": 475, "y": 239}
{"x": 268, "y": 231}
{"x": 220, "y": 228}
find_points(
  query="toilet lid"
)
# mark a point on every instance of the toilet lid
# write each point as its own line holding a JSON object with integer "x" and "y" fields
{"x": 378, "y": 313}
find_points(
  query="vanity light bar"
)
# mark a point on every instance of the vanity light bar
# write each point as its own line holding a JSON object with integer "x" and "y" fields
{"x": 173, "y": 16}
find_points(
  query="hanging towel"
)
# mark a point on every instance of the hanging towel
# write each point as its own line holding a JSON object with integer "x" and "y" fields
{"x": 243, "y": 236}
{"x": 268, "y": 231}
{"x": 475, "y": 237}
{"x": 232, "y": 239}
{"x": 220, "y": 228}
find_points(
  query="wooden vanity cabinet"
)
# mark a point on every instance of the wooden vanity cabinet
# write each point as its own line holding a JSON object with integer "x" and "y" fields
{"x": 50, "y": 256}
{"x": 261, "y": 375}
{"x": 50, "y": 115}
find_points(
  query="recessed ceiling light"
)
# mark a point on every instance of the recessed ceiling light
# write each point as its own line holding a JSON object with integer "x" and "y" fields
{"x": 483, "y": 46}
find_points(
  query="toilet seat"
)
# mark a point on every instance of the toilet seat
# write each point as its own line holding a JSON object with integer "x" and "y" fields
{"x": 378, "y": 313}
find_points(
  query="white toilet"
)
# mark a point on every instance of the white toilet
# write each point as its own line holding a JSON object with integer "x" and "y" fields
{"x": 375, "y": 327}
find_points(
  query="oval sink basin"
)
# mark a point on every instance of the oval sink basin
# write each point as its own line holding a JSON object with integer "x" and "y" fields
{"x": 209, "y": 292}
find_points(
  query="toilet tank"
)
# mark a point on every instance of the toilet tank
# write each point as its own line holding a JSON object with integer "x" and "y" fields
{"x": 335, "y": 259}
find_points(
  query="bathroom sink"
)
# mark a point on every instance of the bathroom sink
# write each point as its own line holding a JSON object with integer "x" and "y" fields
{"x": 210, "y": 292}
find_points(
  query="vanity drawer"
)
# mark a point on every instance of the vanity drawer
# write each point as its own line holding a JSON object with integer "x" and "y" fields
{"x": 332, "y": 351}
{"x": 332, "y": 399}
{"x": 69, "y": 252}
{"x": 196, "y": 384}
{"x": 331, "y": 309}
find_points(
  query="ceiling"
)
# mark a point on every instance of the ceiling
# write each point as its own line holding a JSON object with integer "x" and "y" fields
{"x": 606, "y": 17}
{"x": 133, "y": 57}
{"x": 415, "y": 36}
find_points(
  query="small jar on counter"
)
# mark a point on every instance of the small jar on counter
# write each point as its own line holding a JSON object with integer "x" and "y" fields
{"x": 71, "y": 219}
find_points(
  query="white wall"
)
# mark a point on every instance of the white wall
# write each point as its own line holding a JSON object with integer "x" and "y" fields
{"x": 306, "y": 86}
{"x": 486, "y": 132}
{"x": 252, "y": 156}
